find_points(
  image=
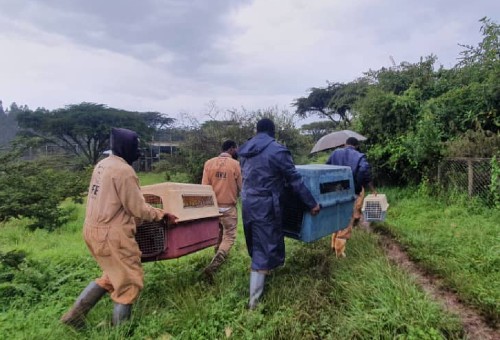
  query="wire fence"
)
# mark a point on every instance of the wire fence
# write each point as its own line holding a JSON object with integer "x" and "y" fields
{"x": 145, "y": 163}
{"x": 471, "y": 176}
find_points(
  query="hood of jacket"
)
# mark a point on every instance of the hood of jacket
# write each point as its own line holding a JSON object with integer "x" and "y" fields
{"x": 125, "y": 144}
{"x": 255, "y": 146}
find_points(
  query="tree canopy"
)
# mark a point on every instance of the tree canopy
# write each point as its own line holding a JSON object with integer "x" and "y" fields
{"x": 8, "y": 123}
{"x": 334, "y": 101}
{"x": 84, "y": 129}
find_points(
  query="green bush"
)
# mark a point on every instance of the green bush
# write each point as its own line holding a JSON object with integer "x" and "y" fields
{"x": 33, "y": 190}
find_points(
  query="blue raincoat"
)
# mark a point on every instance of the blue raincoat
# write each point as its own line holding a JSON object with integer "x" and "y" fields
{"x": 266, "y": 167}
{"x": 361, "y": 170}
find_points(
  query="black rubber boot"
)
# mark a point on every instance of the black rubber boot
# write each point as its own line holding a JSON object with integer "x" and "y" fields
{"x": 75, "y": 317}
{"x": 257, "y": 281}
{"x": 121, "y": 313}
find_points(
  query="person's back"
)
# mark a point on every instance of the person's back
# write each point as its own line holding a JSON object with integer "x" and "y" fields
{"x": 351, "y": 157}
{"x": 262, "y": 159}
{"x": 266, "y": 166}
{"x": 223, "y": 173}
{"x": 107, "y": 207}
{"x": 361, "y": 173}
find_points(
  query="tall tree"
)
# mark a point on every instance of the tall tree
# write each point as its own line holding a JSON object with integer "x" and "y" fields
{"x": 334, "y": 102}
{"x": 318, "y": 129}
{"x": 81, "y": 129}
{"x": 8, "y": 123}
{"x": 157, "y": 121}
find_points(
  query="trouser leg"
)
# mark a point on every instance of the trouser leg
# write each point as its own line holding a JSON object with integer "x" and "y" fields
{"x": 216, "y": 262}
{"x": 75, "y": 317}
{"x": 219, "y": 239}
{"x": 228, "y": 223}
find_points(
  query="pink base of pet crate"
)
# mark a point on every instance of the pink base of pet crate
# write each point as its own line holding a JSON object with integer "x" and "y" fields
{"x": 188, "y": 237}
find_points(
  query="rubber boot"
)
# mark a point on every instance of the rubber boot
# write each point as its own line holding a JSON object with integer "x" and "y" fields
{"x": 257, "y": 281}
{"x": 121, "y": 313}
{"x": 216, "y": 262}
{"x": 75, "y": 317}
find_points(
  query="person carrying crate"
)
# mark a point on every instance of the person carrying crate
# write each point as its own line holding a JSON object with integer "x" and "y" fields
{"x": 361, "y": 173}
{"x": 266, "y": 167}
{"x": 223, "y": 173}
{"x": 114, "y": 201}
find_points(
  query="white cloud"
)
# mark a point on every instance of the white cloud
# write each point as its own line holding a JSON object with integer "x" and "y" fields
{"x": 264, "y": 53}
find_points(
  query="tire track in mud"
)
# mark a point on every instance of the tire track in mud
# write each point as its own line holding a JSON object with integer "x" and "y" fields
{"x": 475, "y": 325}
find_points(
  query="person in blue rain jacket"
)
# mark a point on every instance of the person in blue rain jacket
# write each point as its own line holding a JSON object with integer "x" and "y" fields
{"x": 362, "y": 177}
{"x": 267, "y": 167}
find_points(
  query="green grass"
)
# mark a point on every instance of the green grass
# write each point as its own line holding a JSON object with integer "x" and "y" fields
{"x": 454, "y": 238}
{"x": 147, "y": 178}
{"x": 314, "y": 296}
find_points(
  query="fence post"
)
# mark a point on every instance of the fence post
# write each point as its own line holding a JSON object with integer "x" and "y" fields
{"x": 440, "y": 169}
{"x": 470, "y": 173}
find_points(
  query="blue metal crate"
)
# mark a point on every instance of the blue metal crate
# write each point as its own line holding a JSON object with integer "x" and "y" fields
{"x": 332, "y": 187}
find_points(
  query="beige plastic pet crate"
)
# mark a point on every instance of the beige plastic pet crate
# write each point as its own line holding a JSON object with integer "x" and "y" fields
{"x": 375, "y": 208}
{"x": 197, "y": 227}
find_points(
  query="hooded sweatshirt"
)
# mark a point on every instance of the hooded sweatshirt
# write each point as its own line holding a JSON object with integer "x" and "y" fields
{"x": 114, "y": 196}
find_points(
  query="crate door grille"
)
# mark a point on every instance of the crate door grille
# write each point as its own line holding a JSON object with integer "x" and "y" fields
{"x": 293, "y": 213}
{"x": 150, "y": 236}
{"x": 373, "y": 210}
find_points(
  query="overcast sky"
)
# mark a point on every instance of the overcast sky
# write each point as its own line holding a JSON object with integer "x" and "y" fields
{"x": 177, "y": 56}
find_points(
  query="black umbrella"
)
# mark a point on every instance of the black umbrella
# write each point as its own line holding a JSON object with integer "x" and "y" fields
{"x": 335, "y": 139}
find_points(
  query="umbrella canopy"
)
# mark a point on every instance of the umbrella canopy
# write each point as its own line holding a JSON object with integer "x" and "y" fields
{"x": 335, "y": 139}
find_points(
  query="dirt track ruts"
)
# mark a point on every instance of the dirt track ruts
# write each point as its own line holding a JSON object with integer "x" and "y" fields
{"x": 474, "y": 324}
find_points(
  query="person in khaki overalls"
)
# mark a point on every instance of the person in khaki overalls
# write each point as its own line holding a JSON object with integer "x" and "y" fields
{"x": 114, "y": 202}
{"x": 223, "y": 173}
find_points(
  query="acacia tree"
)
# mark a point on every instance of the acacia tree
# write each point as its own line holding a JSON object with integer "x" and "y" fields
{"x": 157, "y": 121}
{"x": 334, "y": 102}
{"x": 84, "y": 129}
{"x": 318, "y": 129}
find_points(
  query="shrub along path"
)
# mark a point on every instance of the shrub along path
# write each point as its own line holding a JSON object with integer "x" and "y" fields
{"x": 475, "y": 325}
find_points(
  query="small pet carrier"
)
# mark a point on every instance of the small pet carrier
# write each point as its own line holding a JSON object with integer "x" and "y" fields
{"x": 374, "y": 208}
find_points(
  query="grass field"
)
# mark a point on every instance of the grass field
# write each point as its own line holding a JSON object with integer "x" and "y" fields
{"x": 314, "y": 296}
{"x": 456, "y": 239}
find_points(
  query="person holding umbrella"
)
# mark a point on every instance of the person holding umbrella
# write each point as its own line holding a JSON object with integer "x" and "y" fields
{"x": 350, "y": 156}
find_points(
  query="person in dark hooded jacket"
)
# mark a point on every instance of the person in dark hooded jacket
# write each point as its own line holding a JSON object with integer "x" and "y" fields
{"x": 266, "y": 167}
{"x": 362, "y": 176}
{"x": 114, "y": 201}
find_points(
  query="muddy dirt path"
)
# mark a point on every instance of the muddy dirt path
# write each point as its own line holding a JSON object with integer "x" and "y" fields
{"x": 474, "y": 324}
